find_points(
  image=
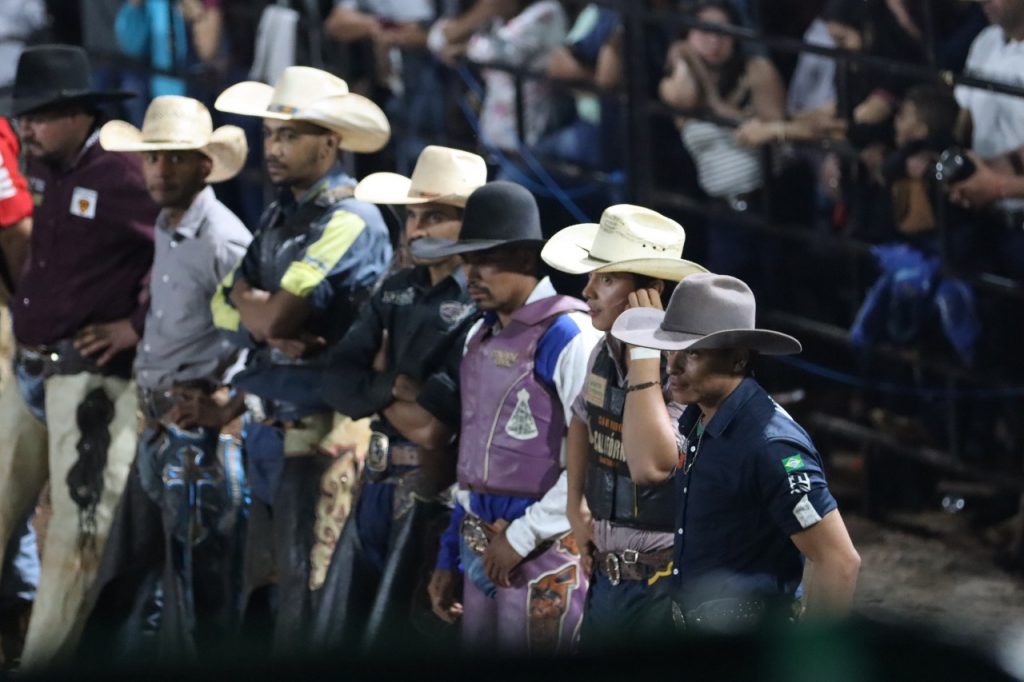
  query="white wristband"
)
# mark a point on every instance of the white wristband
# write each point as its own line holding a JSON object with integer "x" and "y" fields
{"x": 644, "y": 354}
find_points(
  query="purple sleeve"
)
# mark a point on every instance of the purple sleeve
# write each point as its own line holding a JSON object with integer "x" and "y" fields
{"x": 448, "y": 553}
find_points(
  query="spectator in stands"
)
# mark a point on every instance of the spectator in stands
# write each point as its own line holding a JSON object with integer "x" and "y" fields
{"x": 512, "y": 33}
{"x": 996, "y": 123}
{"x": 397, "y": 33}
{"x": 170, "y": 36}
{"x": 924, "y": 126}
{"x": 590, "y": 54}
{"x": 19, "y": 20}
{"x": 710, "y": 72}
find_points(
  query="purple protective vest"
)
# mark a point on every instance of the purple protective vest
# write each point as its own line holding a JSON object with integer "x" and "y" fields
{"x": 512, "y": 424}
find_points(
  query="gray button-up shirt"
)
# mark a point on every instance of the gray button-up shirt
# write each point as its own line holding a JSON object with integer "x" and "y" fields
{"x": 180, "y": 342}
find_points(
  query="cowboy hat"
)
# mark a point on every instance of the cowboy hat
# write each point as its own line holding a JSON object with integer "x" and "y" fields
{"x": 176, "y": 123}
{"x": 628, "y": 239}
{"x": 54, "y": 75}
{"x": 498, "y": 214}
{"x": 706, "y": 311}
{"x": 306, "y": 94}
{"x": 442, "y": 174}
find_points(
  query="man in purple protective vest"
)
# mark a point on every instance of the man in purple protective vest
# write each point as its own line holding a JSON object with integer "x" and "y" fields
{"x": 524, "y": 363}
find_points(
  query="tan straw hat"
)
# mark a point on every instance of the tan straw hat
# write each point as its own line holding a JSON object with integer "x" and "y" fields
{"x": 628, "y": 239}
{"x": 707, "y": 311}
{"x": 442, "y": 174}
{"x": 306, "y": 94}
{"x": 176, "y": 123}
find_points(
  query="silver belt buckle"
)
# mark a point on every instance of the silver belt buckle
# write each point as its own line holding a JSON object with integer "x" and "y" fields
{"x": 377, "y": 453}
{"x": 630, "y": 556}
{"x": 612, "y": 568}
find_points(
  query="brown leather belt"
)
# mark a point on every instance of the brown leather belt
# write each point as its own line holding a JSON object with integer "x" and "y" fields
{"x": 630, "y": 564}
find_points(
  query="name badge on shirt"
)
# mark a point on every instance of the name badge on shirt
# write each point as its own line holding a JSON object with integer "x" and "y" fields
{"x": 83, "y": 202}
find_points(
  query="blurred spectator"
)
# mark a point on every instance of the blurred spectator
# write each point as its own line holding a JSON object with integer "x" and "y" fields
{"x": 591, "y": 54}
{"x": 397, "y": 32}
{"x": 19, "y": 20}
{"x": 512, "y": 33}
{"x": 996, "y": 122}
{"x": 172, "y": 35}
{"x": 709, "y": 71}
{"x": 813, "y": 83}
{"x": 110, "y": 72}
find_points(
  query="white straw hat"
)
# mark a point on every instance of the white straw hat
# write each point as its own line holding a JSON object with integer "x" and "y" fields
{"x": 306, "y": 94}
{"x": 628, "y": 239}
{"x": 442, "y": 174}
{"x": 174, "y": 123}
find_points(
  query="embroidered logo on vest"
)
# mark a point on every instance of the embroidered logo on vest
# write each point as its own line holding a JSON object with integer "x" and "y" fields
{"x": 453, "y": 311}
{"x": 504, "y": 358}
{"x": 405, "y": 296}
{"x": 521, "y": 425}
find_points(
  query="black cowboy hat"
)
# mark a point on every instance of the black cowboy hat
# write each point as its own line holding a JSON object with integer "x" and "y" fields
{"x": 498, "y": 214}
{"x": 54, "y": 75}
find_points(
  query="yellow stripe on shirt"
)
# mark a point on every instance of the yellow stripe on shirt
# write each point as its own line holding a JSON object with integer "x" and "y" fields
{"x": 323, "y": 255}
{"x": 225, "y": 315}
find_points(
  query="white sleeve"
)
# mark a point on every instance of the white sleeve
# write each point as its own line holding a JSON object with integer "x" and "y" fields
{"x": 573, "y": 363}
{"x": 544, "y": 519}
{"x": 533, "y": 31}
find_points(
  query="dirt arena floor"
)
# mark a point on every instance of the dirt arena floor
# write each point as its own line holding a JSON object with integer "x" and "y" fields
{"x": 931, "y": 569}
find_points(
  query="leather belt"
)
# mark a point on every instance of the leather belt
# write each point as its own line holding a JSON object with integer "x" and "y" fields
{"x": 61, "y": 357}
{"x": 383, "y": 454}
{"x": 630, "y": 564}
{"x": 155, "y": 403}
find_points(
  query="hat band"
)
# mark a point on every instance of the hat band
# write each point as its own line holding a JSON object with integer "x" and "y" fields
{"x": 425, "y": 195}
{"x": 282, "y": 108}
{"x": 149, "y": 140}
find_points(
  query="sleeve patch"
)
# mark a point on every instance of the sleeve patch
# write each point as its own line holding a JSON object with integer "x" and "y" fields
{"x": 805, "y": 513}
{"x": 794, "y": 462}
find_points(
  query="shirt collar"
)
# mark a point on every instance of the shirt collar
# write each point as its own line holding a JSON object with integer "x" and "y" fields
{"x": 335, "y": 176}
{"x": 727, "y": 411}
{"x": 192, "y": 220}
{"x": 421, "y": 278}
{"x": 544, "y": 289}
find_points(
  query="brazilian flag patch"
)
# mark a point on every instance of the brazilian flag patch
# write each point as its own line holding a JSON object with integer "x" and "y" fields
{"x": 793, "y": 462}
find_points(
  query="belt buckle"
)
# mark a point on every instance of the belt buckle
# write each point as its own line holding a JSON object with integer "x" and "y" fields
{"x": 630, "y": 556}
{"x": 612, "y": 568}
{"x": 377, "y": 453}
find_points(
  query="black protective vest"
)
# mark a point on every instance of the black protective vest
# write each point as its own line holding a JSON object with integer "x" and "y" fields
{"x": 611, "y": 494}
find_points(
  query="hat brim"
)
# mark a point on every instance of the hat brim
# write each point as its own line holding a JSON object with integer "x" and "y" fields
{"x": 394, "y": 189}
{"x": 433, "y": 248}
{"x": 12, "y": 106}
{"x": 642, "y": 327}
{"x": 566, "y": 251}
{"x": 227, "y": 147}
{"x": 362, "y": 125}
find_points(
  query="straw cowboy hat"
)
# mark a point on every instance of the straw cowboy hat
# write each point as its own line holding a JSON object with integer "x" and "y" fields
{"x": 628, "y": 239}
{"x": 54, "y": 75}
{"x": 176, "y": 123}
{"x": 707, "y": 311}
{"x": 306, "y": 94}
{"x": 442, "y": 174}
{"x": 498, "y": 214}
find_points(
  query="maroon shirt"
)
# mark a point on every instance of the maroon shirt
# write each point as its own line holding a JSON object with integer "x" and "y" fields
{"x": 91, "y": 249}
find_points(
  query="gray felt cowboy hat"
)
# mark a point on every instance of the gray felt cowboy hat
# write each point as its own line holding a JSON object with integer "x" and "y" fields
{"x": 498, "y": 214}
{"x": 54, "y": 75}
{"x": 706, "y": 312}
{"x": 628, "y": 239}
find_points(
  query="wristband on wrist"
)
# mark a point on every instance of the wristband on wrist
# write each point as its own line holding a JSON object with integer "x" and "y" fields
{"x": 640, "y": 387}
{"x": 644, "y": 354}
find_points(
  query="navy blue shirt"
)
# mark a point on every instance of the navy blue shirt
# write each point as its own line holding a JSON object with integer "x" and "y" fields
{"x": 745, "y": 484}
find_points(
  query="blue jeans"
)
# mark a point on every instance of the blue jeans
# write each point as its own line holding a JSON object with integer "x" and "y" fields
{"x": 619, "y": 615}
{"x": 473, "y": 566}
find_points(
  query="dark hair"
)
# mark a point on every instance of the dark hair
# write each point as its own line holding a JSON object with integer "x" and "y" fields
{"x": 732, "y": 71}
{"x": 936, "y": 106}
{"x": 667, "y": 287}
{"x": 852, "y": 13}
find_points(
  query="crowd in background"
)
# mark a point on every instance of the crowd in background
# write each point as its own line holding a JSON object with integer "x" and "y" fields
{"x": 847, "y": 150}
